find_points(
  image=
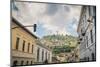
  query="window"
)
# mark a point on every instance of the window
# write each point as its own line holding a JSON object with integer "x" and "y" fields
{"x": 38, "y": 50}
{"x": 22, "y": 62}
{"x": 87, "y": 41}
{"x": 27, "y": 63}
{"x": 17, "y": 42}
{"x": 46, "y": 55}
{"x": 93, "y": 57}
{"x": 95, "y": 22}
{"x": 32, "y": 48}
{"x": 94, "y": 11}
{"x": 14, "y": 6}
{"x": 31, "y": 62}
{"x": 86, "y": 59}
{"x": 15, "y": 63}
{"x": 81, "y": 30}
{"x": 42, "y": 55}
{"x": 23, "y": 45}
{"x": 89, "y": 10}
{"x": 49, "y": 56}
{"x": 91, "y": 36}
{"x": 28, "y": 47}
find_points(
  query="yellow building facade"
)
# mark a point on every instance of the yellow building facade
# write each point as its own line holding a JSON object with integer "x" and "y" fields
{"x": 23, "y": 42}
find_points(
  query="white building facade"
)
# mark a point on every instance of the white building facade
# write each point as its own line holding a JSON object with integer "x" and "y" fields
{"x": 87, "y": 33}
{"x": 43, "y": 54}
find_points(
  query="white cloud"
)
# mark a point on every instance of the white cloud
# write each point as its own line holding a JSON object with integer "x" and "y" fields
{"x": 60, "y": 18}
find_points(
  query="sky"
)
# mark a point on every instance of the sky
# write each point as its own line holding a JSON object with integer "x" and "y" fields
{"x": 50, "y": 18}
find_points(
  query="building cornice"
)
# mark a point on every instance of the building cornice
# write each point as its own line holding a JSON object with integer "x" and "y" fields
{"x": 22, "y": 26}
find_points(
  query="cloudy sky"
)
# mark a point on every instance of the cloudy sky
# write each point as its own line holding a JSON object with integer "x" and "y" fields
{"x": 50, "y": 18}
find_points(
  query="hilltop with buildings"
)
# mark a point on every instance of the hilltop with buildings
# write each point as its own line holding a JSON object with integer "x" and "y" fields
{"x": 59, "y": 40}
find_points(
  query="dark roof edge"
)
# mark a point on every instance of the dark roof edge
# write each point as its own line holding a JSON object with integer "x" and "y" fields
{"x": 22, "y": 26}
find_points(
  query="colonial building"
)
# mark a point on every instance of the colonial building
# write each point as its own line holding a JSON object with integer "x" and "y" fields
{"x": 43, "y": 54}
{"x": 23, "y": 42}
{"x": 26, "y": 47}
{"x": 87, "y": 33}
